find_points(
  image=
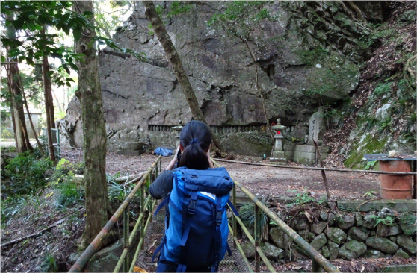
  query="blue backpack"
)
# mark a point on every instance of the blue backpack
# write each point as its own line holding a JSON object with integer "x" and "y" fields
{"x": 198, "y": 229}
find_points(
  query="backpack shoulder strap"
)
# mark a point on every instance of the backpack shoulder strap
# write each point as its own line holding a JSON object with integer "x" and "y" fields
{"x": 160, "y": 206}
{"x": 186, "y": 215}
{"x": 232, "y": 207}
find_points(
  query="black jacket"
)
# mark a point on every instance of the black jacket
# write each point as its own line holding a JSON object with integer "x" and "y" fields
{"x": 162, "y": 185}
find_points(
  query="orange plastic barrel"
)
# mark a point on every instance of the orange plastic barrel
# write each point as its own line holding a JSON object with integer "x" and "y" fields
{"x": 396, "y": 186}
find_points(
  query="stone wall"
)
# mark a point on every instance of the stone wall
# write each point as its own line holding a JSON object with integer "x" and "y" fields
{"x": 240, "y": 139}
{"x": 346, "y": 235}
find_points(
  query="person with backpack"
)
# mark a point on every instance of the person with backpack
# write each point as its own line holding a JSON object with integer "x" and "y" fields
{"x": 195, "y": 198}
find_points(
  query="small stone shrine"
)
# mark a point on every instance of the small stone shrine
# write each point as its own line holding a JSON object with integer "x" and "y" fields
{"x": 315, "y": 126}
{"x": 277, "y": 151}
{"x": 307, "y": 154}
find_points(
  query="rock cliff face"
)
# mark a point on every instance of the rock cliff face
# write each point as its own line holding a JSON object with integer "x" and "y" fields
{"x": 299, "y": 62}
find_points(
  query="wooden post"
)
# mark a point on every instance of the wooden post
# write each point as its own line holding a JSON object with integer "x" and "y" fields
{"x": 315, "y": 267}
{"x": 257, "y": 238}
{"x": 126, "y": 236}
{"x": 234, "y": 226}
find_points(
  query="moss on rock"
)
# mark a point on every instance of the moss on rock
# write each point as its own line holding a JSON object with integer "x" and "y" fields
{"x": 369, "y": 145}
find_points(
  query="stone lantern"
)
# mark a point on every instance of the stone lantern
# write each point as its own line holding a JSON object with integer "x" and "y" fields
{"x": 278, "y": 151}
{"x": 178, "y": 129}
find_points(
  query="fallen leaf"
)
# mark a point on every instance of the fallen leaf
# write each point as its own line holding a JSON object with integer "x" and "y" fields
{"x": 138, "y": 269}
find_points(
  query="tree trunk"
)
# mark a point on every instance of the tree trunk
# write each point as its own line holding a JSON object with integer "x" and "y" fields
{"x": 30, "y": 119}
{"x": 175, "y": 60}
{"x": 90, "y": 96}
{"x": 49, "y": 104}
{"x": 16, "y": 105}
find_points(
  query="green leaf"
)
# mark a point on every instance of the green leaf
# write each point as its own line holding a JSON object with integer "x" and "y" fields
{"x": 88, "y": 13}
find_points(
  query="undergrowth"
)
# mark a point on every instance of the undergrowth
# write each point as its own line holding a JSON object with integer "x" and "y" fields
{"x": 25, "y": 174}
{"x": 31, "y": 182}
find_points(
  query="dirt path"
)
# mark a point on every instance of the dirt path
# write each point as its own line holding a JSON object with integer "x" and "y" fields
{"x": 278, "y": 181}
{"x": 258, "y": 179}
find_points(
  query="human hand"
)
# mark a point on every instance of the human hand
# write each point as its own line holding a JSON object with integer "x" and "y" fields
{"x": 173, "y": 161}
{"x": 209, "y": 158}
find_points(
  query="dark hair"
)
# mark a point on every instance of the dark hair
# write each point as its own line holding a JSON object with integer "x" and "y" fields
{"x": 195, "y": 138}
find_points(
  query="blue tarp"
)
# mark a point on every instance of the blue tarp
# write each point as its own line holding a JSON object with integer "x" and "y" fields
{"x": 163, "y": 151}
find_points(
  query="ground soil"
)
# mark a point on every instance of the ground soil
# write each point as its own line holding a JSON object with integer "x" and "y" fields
{"x": 275, "y": 181}
{"x": 60, "y": 241}
{"x": 271, "y": 181}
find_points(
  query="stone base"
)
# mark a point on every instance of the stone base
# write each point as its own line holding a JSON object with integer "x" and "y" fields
{"x": 306, "y": 154}
{"x": 276, "y": 159}
{"x": 278, "y": 154}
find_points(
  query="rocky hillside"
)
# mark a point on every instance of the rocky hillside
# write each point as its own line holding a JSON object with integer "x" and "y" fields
{"x": 381, "y": 115}
{"x": 249, "y": 64}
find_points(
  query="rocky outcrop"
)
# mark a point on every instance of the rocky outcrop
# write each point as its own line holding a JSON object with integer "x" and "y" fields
{"x": 294, "y": 70}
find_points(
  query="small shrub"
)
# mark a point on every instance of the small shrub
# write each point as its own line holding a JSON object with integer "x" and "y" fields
{"x": 8, "y": 149}
{"x": 383, "y": 89}
{"x": 385, "y": 220}
{"x": 369, "y": 194}
{"x": 118, "y": 191}
{"x": 49, "y": 263}
{"x": 10, "y": 207}
{"x": 301, "y": 198}
{"x": 408, "y": 223}
{"x": 247, "y": 214}
{"x": 26, "y": 173}
{"x": 69, "y": 193}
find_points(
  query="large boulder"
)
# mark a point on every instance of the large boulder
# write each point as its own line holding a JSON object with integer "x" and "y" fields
{"x": 319, "y": 241}
{"x": 249, "y": 249}
{"x": 271, "y": 251}
{"x": 346, "y": 222}
{"x": 106, "y": 259}
{"x": 336, "y": 235}
{"x": 325, "y": 251}
{"x": 279, "y": 238}
{"x": 294, "y": 68}
{"x": 299, "y": 223}
{"x": 318, "y": 228}
{"x": 407, "y": 243}
{"x": 387, "y": 230}
{"x": 402, "y": 254}
{"x": 382, "y": 244}
{"x": 352, "y": 250}
{"x": 359, "y": 234}
{"x": 333, "y": 249}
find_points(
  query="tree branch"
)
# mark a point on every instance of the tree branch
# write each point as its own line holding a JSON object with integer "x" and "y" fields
{"x": 174, "y": 58}
{"x": 33, "y": 234}
{"x": 118, "y": 54}
{"x": 257, "y": 87}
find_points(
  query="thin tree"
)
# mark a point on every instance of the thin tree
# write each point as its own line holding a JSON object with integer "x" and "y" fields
{"x": 89, "y": 94}
{"x": 175, "y": 60}
{"x": 49, "y": 103}
{"x": 35, "y": 134}
{"x": 16, "y": 98}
